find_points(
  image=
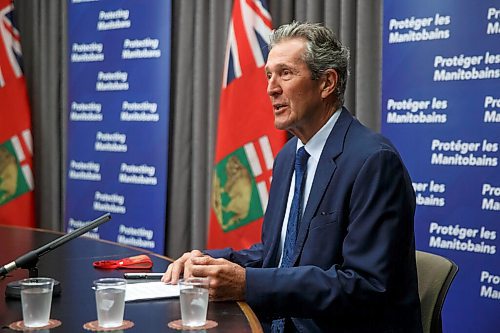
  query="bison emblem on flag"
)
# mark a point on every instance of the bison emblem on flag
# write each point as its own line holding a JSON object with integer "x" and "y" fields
{"x": 12, "y": 180}
{"x": 240, "y": 185}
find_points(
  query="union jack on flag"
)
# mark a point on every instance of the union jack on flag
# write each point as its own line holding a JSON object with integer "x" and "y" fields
{"x": 249, "y": 31}
{"x": 247, "y": 141}
{"x": 10, "y": 60}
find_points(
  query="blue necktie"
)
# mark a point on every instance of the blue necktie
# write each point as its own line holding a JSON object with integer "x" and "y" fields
{"x": 278, "y": 325}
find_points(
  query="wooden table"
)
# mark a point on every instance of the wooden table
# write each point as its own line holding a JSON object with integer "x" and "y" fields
{"x": 71, "y": 265}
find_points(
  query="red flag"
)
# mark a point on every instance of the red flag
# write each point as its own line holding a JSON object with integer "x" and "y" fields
{"x": 16, "y": 177}
{"x": 247, "y": 140}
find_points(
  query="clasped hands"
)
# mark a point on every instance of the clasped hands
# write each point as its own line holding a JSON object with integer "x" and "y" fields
{"x": 227, "y": 279}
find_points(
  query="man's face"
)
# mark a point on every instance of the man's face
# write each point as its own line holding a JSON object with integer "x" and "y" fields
{"x": 295, "y": 96}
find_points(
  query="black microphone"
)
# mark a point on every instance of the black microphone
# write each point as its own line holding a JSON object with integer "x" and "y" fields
{"x": 7, "y": 268}
{"x": 30, "y": 259}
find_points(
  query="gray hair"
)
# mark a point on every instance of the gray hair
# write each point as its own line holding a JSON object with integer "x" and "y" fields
{"x": 323, "y": 50}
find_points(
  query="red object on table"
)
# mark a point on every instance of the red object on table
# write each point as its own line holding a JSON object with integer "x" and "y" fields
{"x": 137, "y": 262}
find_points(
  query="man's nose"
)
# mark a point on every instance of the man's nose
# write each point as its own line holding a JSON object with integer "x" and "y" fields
{"x": 273, "y": 87}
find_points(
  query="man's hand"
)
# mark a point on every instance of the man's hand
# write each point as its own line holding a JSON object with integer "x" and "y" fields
{"x": 180, "y": 266}
{"x": 227, "y": 279}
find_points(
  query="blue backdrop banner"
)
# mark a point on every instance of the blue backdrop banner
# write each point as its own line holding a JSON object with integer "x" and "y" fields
{"x": 441, "y": 108}
{"x": 118, "y": 116}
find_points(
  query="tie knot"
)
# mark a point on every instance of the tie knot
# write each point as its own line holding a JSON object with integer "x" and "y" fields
{"x": 301, "y": 158}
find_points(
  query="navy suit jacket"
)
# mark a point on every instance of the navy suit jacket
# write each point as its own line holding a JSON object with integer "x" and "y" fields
{"x": 354, "y": 265}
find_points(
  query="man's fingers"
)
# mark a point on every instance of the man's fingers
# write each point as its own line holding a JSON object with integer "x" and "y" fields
{"x": 187, "y": 268}
{"x": 207, "y": 266}
{"x": 207, "y": 260}
{"x": 196, "y": 253}
{"x": 176, "y": 268}
{"x": 189, "y": 262}
{"x": 200, "y": 261}
{"x": 227, "y": 280}
{"x": 210, "y": 267}
{"x": 167, "y": 276}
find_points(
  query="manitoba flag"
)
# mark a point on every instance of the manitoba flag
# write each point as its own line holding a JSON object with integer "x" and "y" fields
{"x": 246, "y": 138}
{"x": 16, "y": 177}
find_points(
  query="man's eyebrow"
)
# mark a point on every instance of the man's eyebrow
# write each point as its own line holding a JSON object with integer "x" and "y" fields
{"x": 278, "y": 66}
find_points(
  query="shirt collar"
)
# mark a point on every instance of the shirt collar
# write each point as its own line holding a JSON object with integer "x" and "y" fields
{"x": 315, "y": 145}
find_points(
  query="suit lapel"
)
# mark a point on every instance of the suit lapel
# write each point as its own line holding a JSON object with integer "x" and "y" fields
{"x": 282, "y": 182}
{"x": 326, "y": 167}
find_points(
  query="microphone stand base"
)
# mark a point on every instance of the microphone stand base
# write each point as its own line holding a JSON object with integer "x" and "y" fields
{"x": 13, "y": 290}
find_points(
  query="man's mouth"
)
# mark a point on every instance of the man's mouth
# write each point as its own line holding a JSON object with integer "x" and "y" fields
{"x": 278, "y": 107}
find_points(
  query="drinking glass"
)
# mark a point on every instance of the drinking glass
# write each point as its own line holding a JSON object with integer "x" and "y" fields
{"x": 194, "y": 301}
{"x": 110, "y": 301}
{"x": 36, "y": 301}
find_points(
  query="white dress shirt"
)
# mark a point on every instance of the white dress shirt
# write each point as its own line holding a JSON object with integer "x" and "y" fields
{"x": 314, "y": 147}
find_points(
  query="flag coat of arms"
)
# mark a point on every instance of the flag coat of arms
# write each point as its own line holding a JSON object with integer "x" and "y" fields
{"x": 247, "y": 140}
{"x": 16, "y": 177}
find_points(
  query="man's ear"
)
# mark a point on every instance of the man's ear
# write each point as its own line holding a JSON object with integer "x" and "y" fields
{"x": 330, "y": 80}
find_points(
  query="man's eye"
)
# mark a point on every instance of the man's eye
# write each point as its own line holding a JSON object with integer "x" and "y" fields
{"x": 286, "y": 74}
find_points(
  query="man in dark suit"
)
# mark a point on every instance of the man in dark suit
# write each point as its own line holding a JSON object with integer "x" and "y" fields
{"x": 346, "y": 261}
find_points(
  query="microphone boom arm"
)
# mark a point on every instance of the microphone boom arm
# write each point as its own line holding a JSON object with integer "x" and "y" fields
{"x": 30, "y": 259}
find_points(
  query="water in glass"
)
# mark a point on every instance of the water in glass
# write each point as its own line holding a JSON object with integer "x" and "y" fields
{"x": 36, "y": 303}
{"x": 194, "y": 303}
{"x": 110, "y": 307}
